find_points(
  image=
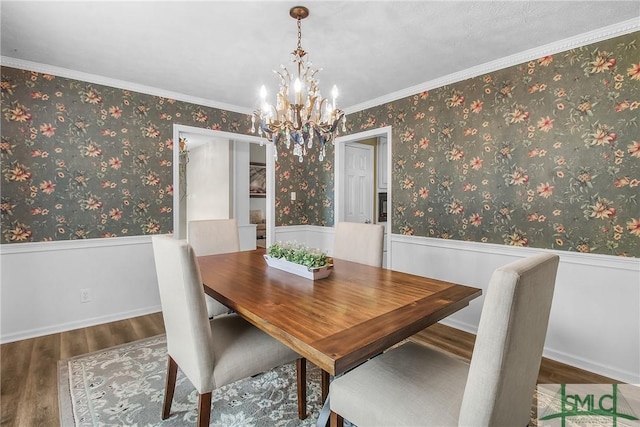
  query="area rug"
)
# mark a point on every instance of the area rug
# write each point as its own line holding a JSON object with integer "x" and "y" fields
{"x": 124, "y": 386}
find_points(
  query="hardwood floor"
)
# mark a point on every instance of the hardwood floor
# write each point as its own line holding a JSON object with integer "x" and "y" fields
{"x": 29, "y": 374}
{"x": 29, "y": 390}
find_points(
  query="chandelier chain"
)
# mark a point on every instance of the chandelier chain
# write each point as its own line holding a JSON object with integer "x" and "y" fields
{"x": 299, "y": 34}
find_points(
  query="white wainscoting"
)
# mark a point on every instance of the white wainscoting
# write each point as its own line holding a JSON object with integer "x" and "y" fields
{"x": 594, "y": 325}
{"x": 316, "y": 237}
{"x": 41, "y": 284}
{"x": 595, "y": 317}
{"x": 247, "y": 236}
{"x": 311, "y": 235}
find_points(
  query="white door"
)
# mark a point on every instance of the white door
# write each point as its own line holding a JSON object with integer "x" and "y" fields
{"x": 358, "y": 175}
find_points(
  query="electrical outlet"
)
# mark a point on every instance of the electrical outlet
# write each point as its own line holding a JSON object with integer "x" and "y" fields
{"x": 293, "y": 196}
{"x": 85, "y": 295}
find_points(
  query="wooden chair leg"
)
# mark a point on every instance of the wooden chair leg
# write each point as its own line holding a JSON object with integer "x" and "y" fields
{"x": 336, "y": 420}
{"x": 204, "y": 409}
{"x": 170, "y": 386}
{"x": 324, "y": 384}
{"x": 301, "y": 373}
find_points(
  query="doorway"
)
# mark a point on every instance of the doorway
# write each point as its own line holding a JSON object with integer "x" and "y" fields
{"x": 379, "y": 176}
{"x": 358, "y": 182}
{"x": 237, "y": 202}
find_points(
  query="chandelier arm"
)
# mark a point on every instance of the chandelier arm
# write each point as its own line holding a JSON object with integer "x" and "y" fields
{"x": 334, "y": 126}
{"x": 312, "y": 102}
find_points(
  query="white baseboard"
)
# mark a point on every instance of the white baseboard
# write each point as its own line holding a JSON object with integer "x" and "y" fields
{"x": 591, "y": 366}
{"x": 84, "y": 323}
{"x": 463, "y": 326}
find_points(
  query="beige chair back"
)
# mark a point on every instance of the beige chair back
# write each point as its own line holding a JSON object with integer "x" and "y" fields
{"x": 214, "y": 236}
{"x": 189, "y": 338}
{"x": 359, "y": 242}
{"x": 211, "y": 237}
{"x": 508, "y": 349}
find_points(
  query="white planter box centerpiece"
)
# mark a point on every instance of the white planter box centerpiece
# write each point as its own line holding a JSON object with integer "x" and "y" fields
{"x": 311, "y": 263}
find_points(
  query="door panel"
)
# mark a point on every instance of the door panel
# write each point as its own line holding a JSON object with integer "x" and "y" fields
{"x": 358, "y": 183}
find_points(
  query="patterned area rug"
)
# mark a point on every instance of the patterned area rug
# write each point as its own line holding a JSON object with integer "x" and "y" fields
{"x": 124, "y": 386}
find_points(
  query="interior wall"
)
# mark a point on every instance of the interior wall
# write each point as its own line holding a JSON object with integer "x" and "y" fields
{"x": 42, "y": 284}
{"x": 90, "y": 160}
{"x": 543, "y": 154}
{"x": 209, "y": 184}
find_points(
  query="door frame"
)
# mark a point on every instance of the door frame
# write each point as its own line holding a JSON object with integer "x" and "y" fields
{"x": 179, "y": 231}
{"x": 339, "y": 158}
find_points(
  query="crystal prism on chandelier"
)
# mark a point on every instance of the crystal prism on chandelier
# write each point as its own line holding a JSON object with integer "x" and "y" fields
{"x": 301, "y": 115}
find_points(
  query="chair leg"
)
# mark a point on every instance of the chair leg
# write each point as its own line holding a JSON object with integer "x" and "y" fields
{"x": 301, "y": 371}
{"x": 170, "y": 386}
{"x": 324, "y": 384}
{"x": 336, "y": 420}
{"x": 204, "y": 409}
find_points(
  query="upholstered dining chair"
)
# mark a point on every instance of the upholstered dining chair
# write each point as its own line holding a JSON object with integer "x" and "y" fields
{"x": 211, "y": 353}
{"x": 211, "y": 237}
{"x": 359, "y": 242}
{"x": 418, "y": 385}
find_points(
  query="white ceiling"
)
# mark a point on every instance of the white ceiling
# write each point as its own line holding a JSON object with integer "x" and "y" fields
{"x": 223, "y": 51}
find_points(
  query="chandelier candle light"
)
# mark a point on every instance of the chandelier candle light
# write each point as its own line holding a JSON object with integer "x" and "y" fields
{"x": 302, "y": 116}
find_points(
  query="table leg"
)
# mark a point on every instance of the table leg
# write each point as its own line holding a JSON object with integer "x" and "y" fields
{"x": 301, "y": 374}
{"x": 324, "y": 384}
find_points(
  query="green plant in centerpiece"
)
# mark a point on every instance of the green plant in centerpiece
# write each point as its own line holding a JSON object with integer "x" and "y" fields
{"x": 298, "y": 253}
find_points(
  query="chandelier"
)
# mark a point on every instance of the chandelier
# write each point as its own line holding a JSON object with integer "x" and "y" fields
{"x": 301, "y": 115}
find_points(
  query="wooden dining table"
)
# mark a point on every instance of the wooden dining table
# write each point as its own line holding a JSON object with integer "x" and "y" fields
{"x": 337, "y": 322}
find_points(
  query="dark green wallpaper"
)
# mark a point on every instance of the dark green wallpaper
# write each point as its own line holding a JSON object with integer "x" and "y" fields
{"x": 544, "y": 154}
{"x": 81, "y": 160}
{"x": 312, "y": 181}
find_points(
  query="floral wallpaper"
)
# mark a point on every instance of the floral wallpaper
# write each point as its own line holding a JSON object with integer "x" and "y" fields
{"x": 312, "y": 181}
{"x": 544, "y": 154}
{"x": 81, "y": 160}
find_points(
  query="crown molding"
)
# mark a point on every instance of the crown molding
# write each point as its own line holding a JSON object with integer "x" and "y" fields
{"x": 584, "y": 39}
{"x": 594, "y": 36}
{"x": 7, "y": 61}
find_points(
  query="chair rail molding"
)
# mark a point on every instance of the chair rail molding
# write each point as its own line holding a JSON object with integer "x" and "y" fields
{"x": 68, "y": 245}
